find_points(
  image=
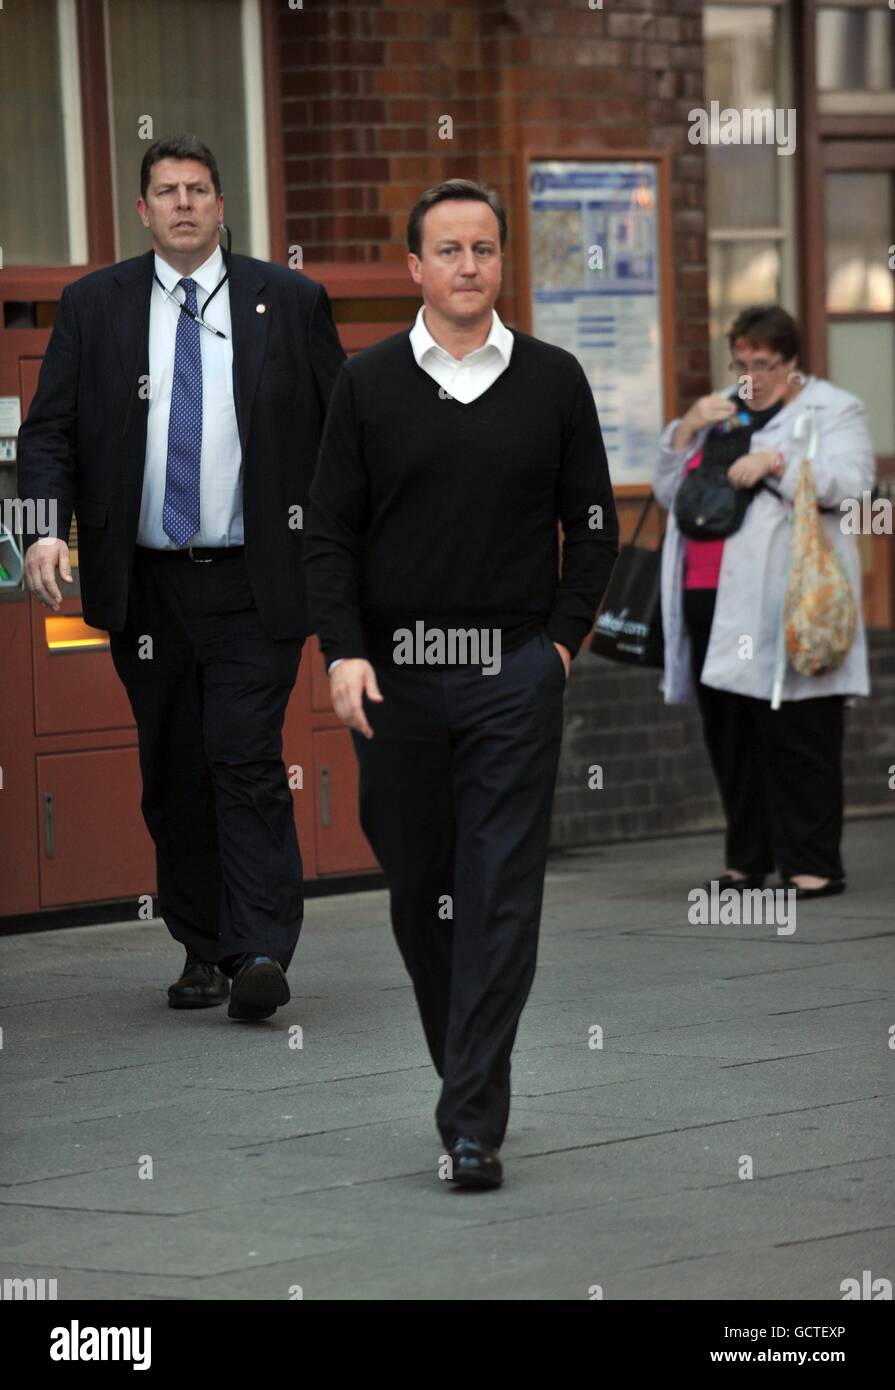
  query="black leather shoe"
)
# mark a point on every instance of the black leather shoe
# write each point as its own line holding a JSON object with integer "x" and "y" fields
{"x": 475, "y": 1163}
{"x": 830, "y": 889}
{"x": 201, "y": 985}
{"x": 258, "y": 988}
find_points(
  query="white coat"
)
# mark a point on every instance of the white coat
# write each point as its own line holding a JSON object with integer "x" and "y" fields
{"x": 752, "y": 581}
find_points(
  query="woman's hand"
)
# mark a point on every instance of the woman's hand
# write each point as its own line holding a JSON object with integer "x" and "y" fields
{"x": 750, "y": 469}
{"x": 708, "y": 410}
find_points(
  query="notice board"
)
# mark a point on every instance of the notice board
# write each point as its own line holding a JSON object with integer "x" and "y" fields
{"x": 597, "y": 281}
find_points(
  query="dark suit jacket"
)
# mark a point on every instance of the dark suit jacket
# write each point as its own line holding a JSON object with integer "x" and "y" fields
{"x": 84, "y": 441}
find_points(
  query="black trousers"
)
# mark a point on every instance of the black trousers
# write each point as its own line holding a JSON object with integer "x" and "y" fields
{"x": 209, "y": 688}
{"x": 779, "y": 772}
{"x": 456, "y": 790}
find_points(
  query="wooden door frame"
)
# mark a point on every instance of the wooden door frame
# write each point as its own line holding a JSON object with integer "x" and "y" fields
{"x": 867, "y": 142}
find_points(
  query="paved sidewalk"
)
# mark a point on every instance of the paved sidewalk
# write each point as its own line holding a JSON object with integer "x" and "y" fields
{"x": 275, "y": 1167}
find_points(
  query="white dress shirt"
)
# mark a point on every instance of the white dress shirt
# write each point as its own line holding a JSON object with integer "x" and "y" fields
{"x": 220, "y": 482}
{"x": 465, "y": 378}
{"x": 470, "y": 376}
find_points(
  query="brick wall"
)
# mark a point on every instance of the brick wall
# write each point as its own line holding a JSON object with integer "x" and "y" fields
{"x": 656, "y": 775}
{"x": 363, "y": 86}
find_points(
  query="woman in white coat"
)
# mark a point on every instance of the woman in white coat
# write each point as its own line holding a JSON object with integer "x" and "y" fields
{"x": 779, "y": 772}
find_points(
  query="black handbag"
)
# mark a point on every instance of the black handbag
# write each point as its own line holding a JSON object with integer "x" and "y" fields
{"x": 628, "y": 626}
{"x": 706, "y": 506}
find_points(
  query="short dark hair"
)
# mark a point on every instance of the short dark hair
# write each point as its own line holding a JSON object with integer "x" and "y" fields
{"x": 767, "y": 325}
{"x": 460, "y": 189}
{"x": 178, "y": 147}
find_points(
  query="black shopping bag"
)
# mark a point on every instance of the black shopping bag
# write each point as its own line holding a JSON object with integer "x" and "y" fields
{"x": 628, "y": 626}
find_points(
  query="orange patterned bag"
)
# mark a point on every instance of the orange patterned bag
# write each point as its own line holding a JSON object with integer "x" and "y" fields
{"x": 820, "y": 614}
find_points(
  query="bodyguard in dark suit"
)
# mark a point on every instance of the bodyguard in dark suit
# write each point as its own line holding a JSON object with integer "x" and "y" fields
{"x": 178, "y": 415}
{"x": 450, "y": 454}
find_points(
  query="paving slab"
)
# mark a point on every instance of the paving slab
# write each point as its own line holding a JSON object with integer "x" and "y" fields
{"x": 279, "y": 1168}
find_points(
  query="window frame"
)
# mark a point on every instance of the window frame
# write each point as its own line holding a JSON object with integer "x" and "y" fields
{"x": 89, "y": 135}
{"x": 784, "y": 233}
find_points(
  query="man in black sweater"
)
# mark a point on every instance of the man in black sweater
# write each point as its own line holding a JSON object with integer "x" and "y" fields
{"x": 442, "y": 599}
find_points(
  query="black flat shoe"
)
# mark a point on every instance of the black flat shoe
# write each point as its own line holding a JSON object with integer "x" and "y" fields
{"x": 831, "y": 889}
{"x": 728, "y": 881}
{"x": 475, "y": 1164}
{"x": 201, "y": 986}
{"x": 258, "y": 988}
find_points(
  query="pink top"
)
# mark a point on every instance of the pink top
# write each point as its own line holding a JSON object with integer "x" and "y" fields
{"x": 702, "y": 559}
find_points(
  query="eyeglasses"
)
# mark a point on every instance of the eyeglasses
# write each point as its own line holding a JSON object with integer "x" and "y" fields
{"x": 760, "y": 365}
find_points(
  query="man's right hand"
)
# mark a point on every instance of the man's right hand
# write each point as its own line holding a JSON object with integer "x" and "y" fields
{"x": 708, "y": 410}
{"x": 352, "y": 679}
{"x": 41, "y": 560}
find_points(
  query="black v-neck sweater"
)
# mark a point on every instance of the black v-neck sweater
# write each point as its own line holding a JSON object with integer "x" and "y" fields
{"x": 426, "y": 509}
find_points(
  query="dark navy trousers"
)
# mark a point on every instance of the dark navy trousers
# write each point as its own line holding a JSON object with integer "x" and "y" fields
{"x": 456, "y": 790}
{"x": 209, "y": 696}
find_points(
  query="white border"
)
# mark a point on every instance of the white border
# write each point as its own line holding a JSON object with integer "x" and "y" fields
{"x": 255, "y": 128}
{"x": 72, "y": 131}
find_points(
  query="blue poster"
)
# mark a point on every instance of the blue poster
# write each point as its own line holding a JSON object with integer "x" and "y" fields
{"x": 595, "y": 290}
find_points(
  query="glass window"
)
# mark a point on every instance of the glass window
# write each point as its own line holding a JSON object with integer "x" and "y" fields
{"x": 749, "y": 192}
{"x": 856, "y": 60}
{"x": 33, "y": 151}
{"x": 740, "y": 273}
{"x": 179, "y": 62}
{"x": 740, "y": 68}
{"x": 860, "y": 230}
{"x": 862, "y": 359}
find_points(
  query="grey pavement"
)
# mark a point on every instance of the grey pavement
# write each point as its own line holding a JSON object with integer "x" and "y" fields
{"x": 278, "y": 1168}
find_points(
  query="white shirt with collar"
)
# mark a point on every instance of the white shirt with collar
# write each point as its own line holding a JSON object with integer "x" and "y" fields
{"x": 465, "y": 378}
{"x": 220, "y": 483}
{"x": 470, "y": 376}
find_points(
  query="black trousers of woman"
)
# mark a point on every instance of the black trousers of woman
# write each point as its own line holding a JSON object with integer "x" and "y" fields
{"x": 779, "y": 772}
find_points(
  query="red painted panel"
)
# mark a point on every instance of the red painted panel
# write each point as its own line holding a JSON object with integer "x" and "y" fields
{"x": 99, "y": 848}
{"x": 74, "y": 690}
{"x": 341, "y": 844}
{"x": 18, "y": 810}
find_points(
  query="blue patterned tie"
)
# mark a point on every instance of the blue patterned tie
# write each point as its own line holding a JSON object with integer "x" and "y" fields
{"x": 180, "y": 517}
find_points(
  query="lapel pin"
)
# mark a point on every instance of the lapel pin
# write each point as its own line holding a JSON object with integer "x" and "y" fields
{"x": 260, "y": 308}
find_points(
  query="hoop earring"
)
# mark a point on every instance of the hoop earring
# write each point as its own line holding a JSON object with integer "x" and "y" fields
{"x": 797, "y": 376}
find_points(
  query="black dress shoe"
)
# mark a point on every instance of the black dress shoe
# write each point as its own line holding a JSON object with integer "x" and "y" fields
{"x": 475, "y": 1163}
{"x": 258, "y": 988}
{"x": 201, "y": 985}
{"x": 830, "y": 889}
{"x": 728, "y": 881}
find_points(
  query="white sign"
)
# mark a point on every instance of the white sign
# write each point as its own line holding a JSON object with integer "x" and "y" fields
{"x": 10, "y": 416}
{"x": 595, "y": 290}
